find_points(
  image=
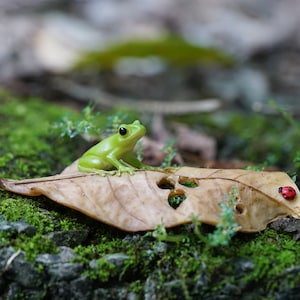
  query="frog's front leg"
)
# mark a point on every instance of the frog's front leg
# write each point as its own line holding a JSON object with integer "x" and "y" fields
{"x": 132, "y": 160}
{"x": 121, "y": 167}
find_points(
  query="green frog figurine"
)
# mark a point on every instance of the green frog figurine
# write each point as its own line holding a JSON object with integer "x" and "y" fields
{"x": 115, "y": 152}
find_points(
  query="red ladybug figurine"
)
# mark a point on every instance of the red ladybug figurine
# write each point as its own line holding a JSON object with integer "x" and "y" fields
{"x": 287, "y": 192}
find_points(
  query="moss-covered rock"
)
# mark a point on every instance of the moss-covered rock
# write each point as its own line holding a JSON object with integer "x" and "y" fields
{"x": 181, "y": 266}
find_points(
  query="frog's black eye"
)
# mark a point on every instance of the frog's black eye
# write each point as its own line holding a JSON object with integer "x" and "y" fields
{"x": 122, "y": 130}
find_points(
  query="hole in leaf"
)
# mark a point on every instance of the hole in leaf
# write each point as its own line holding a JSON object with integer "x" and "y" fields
{"x": 176, "y": 197}
{"x": 239, "y": 208}
{"x": 166, "y": 183}
{"x": 188, "y": 181}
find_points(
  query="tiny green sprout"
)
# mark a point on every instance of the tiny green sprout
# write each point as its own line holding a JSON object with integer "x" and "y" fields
{"x": 103, "y": 271}
{"x": 256, "y": 168}
{"x": 114, "y": 121}
{"x": 297, "y": 160}
{"x": 88, "y": 123}
{"x": 294, "y": 177}
{"x": 160, "y": 233}
{"x": 70, "y": 126}
{"x": 227, "y": 227}
{"x": 284, "y": 113}
{"x": 269, "y": 161}
{"x": 197, "y": 231}
{"x": 170, "y": 151}
{"x": 139, "y": 150}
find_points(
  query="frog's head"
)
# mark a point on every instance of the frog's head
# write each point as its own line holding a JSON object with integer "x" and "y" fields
{"x": 131, "y": 133}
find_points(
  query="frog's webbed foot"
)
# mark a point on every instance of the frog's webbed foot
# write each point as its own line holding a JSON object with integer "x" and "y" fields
{"x": 99, "y": 172}
{"x": 117, "y": 172}
{"x": 104, "y": 173}
{"x": 128, "y": 170}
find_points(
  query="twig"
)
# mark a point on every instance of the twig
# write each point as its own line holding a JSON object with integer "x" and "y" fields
{"x": 84, "y": 94}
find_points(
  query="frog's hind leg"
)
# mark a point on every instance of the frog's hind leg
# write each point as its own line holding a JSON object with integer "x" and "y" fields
{"x": 93, "y": 164}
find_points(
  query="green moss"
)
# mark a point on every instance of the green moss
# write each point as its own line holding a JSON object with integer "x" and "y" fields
{"x": 257, "y": 138}
{"x": 137, "y": 267}
{"x": 105, "y": 245}
{"x": 272, "y": 253}
{"x": 277, "y": 138}
{"x": 104, "y": 271}
{"x": 32, "y": 245}
{"x": 25, "y": 209}
{"x": 33, "y": 211}
{"x": 28, "y": 147}
{"x": 174, "y": 50}
{"x": 136, "y": 287}
{"x": 35, "y": 245}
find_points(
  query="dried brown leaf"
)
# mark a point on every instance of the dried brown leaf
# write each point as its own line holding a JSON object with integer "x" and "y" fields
{"x": 141, "y": 201}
